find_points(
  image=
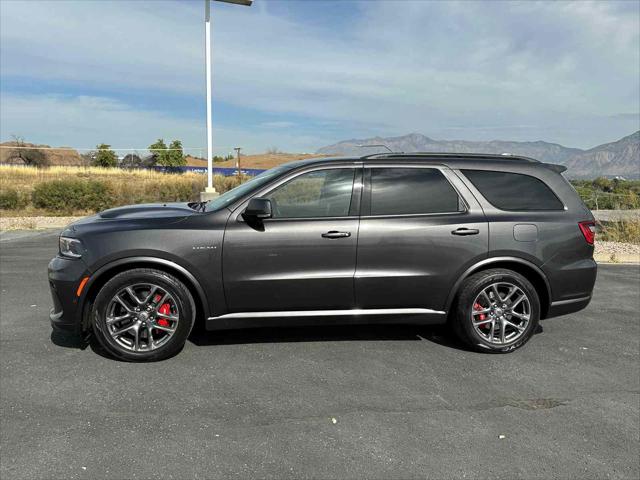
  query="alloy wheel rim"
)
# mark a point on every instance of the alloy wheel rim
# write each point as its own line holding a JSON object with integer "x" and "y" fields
{"x": 501, "y": 313}
{"x": 142, "y": 317}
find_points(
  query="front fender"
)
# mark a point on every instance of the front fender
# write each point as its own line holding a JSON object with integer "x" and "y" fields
{"x": 100, "y": 275}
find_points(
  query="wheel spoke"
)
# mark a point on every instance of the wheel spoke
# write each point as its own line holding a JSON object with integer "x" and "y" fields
{"x": 120, "y": 331}
{"x": 502, "y": 330}
{"x": 520, "y": 316}
{"x": 496, "y": 293}
{"x": 134, "y": 296}
{"x": 119, "y": 299}
{"x": 484, "y": 310}
{"x": 512, "y": 290}
{"x": 517, "y": 327}
{"x": 482, "y": 322}
{"x": 111, "y": 319}
{"x": 151, "y": 294}
{"x": 164, "y": 329}
{"x": 486, "y": 296}
{"x": 517, "y": 302}
{"x": 491, "y": 330}
{"x": 173, "y": 318}
{"x": 162, "y": 300}
{"x": 136, "y": 341}
{"x": 150, "y": 336}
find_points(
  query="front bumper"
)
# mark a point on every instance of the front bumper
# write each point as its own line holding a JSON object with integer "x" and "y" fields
{"x": 65, "y": 275}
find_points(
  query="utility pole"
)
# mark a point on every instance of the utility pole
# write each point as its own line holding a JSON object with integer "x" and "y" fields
{"x": 237, "y": 149}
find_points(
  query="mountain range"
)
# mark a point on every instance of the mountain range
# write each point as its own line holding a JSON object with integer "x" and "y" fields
{"x": 619, "y": 158}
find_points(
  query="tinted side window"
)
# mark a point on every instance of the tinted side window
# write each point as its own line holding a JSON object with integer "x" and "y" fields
{"x": 514, "y": 191}
{"x": 396, "y": 191}
{"x": 322, "y": 193}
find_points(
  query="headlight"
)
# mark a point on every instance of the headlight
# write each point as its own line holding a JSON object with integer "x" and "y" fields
{"x": 71, "y": 247}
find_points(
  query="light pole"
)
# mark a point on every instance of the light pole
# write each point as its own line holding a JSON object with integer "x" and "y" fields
{"x": 237, "y": 149}
{"x": 207, "y": 48}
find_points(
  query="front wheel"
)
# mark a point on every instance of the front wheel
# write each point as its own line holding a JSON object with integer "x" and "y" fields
{"x": 143, "y": 315}
{"x": 497, "y": 311}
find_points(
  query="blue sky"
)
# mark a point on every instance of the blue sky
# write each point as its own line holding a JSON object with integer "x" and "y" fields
{"x": 299, "y": 75}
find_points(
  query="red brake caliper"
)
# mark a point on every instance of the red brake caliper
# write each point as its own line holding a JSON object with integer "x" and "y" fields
{"x": 165, "y": 309}
{"x": 477, "y": 306}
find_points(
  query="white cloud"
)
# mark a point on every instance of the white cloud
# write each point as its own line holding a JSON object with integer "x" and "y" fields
{"x": 93, "y": 120}
{"x": 402, "y": 66}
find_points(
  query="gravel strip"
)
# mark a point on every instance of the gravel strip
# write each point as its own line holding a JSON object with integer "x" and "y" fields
{"x": 617, "y": 248}
{"x": 35, "y": 223}
{"x": 617, "y": 252}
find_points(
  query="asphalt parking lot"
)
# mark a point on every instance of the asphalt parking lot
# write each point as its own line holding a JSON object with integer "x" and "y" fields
{"x": 340, "y": 402}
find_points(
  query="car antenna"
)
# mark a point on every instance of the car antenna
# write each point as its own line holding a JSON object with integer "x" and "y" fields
{"x": 378, "y": 145}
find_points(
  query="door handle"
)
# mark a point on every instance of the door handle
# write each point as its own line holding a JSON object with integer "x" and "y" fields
{"x": 465, "y": 231}
{"x": 335, "y": 234}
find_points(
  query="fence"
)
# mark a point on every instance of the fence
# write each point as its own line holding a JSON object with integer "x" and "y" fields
{"x": 12, "y": 155}
{"x": 227, "y": 172}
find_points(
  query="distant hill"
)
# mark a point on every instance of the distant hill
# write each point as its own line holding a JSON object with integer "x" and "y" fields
{"x": 617, "y": 158}
{"x": 610, "y": 159}
{"x": 53, "y": 156}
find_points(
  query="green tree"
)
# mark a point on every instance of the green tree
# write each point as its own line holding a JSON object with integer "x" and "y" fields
{"x": 159, "y": 152}
{"x": 603, "y": 184}
{"x": 168, "y": 157}
{"x": 175, "y": 155}
{"x": 105, "y": 157}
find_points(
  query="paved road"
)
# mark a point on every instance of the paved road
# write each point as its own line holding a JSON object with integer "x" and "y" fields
{"x": 407, "y": 402}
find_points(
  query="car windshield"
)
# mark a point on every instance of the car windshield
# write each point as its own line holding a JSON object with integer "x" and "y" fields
{"x": 234, "y": 194}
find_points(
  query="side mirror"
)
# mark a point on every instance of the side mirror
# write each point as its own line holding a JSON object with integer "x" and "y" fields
{"x": 258, "y": 208}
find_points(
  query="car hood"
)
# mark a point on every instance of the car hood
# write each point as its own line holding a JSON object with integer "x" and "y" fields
{"x": 148, "y": 210}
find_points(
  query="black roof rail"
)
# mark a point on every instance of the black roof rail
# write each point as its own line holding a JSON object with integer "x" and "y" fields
{"x": 436, "y": 155}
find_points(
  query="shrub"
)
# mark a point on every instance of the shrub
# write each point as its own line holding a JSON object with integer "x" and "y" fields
{"x": 73, "y": 195}
{"x": 105, "y": 157}
{"x": 627, "y": 231}
{"x": 9, "y": 199}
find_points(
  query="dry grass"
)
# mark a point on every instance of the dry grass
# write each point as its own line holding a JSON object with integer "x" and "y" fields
{"x": 627, "y": 231}
{"x": 126, "y": 186}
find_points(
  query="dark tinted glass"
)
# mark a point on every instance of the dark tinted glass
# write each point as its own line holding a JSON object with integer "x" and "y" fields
{"x": 396, "y": 191}
{"x": 322, "y": 193}
{"x": 514, "y": 191}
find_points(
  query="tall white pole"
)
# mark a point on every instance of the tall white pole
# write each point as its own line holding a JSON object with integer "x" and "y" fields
{"x": 207, "y": 48}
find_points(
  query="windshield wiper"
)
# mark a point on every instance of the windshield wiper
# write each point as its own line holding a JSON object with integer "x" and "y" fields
{"x": 198, "y": 206}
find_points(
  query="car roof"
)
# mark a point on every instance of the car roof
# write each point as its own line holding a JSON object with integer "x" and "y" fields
{"x": 457, "y": 159}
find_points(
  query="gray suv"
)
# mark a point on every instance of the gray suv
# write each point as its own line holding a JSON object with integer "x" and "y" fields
{"x": 488, "y": 244}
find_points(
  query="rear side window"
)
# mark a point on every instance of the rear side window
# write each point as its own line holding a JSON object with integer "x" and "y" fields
{"x": 514, "y": 191}
{"x": 397, "y": 191}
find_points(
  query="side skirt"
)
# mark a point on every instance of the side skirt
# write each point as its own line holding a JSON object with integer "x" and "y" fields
{"x": 419, "y": 316}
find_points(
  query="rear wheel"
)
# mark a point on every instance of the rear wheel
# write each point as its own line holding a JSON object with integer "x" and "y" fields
{"x": 497, "y": 311}
{"x": 143, "y": 315}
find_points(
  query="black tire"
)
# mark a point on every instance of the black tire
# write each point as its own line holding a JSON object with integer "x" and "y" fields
{"x": 183, "y": 302}
{"x": 469, "y": 291}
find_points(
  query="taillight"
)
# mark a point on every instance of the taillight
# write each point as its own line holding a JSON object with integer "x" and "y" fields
{"x": 588, "y": 229}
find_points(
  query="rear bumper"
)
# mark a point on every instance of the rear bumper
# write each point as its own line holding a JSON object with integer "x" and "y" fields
{"x": 571, "y": 287}
{"x": 564, "y": 307}
{"x": 64, "y": 277}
